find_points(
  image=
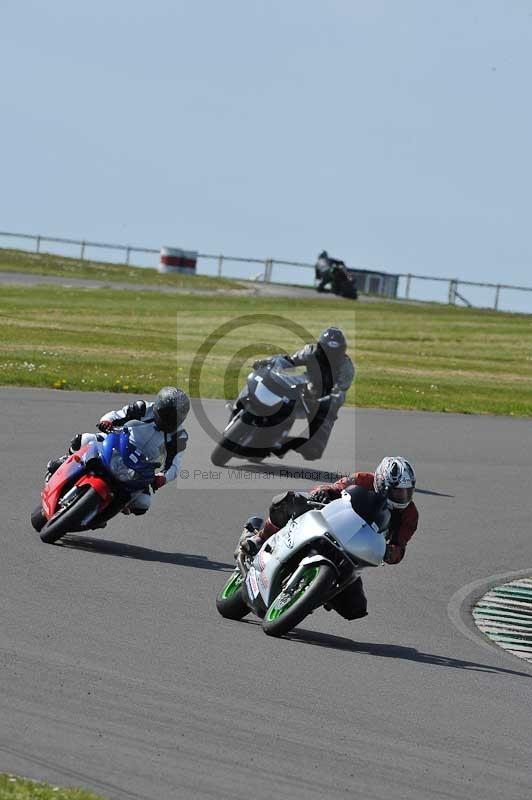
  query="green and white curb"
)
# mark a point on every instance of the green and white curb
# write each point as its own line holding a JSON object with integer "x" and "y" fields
{"x": 504, "y": 615}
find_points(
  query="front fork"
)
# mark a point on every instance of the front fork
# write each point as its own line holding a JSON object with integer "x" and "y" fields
{"x": 296, "y": 576}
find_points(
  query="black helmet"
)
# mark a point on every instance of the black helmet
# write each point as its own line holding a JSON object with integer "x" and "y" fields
{"x": 170, "y": 408}
{"x": 333, "y": 343}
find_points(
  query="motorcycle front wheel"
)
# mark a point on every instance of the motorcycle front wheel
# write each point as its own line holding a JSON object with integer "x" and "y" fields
{"x": 290, "y": 608}
{"x": 230, "y": 602}
{"x": 71, "y": 518}
{"x": 231, "y": 447}
{"x": 38, "y": 520}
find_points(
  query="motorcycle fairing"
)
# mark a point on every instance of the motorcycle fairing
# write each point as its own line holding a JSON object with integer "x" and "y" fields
{"x": 67, "y": 473}
{"x": 361, "y": 542}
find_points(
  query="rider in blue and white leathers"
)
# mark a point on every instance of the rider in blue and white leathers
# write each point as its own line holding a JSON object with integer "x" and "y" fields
{"x": 156, "y": 428}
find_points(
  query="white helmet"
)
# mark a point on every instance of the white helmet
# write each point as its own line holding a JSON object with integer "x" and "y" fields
{"x": 395, "y": 478}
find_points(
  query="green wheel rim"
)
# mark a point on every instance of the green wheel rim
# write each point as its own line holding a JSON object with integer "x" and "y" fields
{"x": 233, "y": 585}
{"x": 280, "y": 605}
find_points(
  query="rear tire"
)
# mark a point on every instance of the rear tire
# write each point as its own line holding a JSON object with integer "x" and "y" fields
{"x": 230, "y": 602}
{"x": 38, "y": 520}
{"x": 71, "y": 518}
{"x": 289, "y": 609}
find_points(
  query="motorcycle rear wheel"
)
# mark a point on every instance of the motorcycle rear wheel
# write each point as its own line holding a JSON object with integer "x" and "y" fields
{"x": 70, "y": 519}
{"x": 230, "y": 602}
{"x": 290, "y": 608}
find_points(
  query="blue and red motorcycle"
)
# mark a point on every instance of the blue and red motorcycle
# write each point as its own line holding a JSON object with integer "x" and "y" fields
{"x": 92, "y": 485}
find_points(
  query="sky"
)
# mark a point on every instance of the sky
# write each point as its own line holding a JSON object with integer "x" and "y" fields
{"x": 393, "y": 134}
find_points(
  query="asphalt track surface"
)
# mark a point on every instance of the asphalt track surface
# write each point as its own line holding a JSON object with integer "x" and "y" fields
{"x": 253, "y": 288}
{"x": 119, "y": 675}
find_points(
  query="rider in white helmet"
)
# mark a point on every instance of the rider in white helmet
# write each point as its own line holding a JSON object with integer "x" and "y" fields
{"x": 394, "y": 477}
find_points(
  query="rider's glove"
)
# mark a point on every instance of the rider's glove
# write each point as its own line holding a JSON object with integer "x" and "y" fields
{"x": 261, "y": 362}
{"x": 158, "y": 481}
{"x": 394, "y": 553}
{"x": 320, "y": 495}
{"x": 105, "y": 425}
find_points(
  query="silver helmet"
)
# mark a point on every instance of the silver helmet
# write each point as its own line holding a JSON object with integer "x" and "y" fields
{"x": 170, "y": 408}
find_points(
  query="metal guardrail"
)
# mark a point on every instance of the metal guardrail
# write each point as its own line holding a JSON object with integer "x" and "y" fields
{"x": 268, "y": 265}
{"x": 454, "y": 283}
{"x": 83, "y": 244}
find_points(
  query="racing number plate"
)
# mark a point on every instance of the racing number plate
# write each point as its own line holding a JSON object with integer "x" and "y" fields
{"x": 252, "y": 584}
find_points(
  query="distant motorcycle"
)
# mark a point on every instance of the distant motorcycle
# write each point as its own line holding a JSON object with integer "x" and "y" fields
{"x": 93, "y": 485}
{"x": 264, "y": 412}
{"x": 340, "y": 279}
{"x": 308, "y": 562}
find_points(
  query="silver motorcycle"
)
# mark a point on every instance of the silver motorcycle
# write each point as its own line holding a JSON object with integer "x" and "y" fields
{"x": 310, "y": 561}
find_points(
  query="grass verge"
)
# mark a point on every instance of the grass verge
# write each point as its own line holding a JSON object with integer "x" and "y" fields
{"x": 13, "y": 788}
{"x": 425, "y": 357}
{"x": 63, "y": 267}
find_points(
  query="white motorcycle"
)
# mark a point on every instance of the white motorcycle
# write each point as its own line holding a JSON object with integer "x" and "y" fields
{"x": 308, "y": 562}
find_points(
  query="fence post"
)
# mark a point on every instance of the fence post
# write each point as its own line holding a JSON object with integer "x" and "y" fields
{"x": 38, "y": 245}
{"x": 497, "y": 292}
{"x": 128, "y": 253}
{"x": 82, "y": 253}
{"x": 453, "y": 286}
{"x": 407, "y": 287}
{"x": 220, "y": 265}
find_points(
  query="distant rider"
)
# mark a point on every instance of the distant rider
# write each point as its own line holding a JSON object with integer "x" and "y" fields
{"x": 331, "y": 373}
{"x": 393, "y": 478}
{"x": 325, "y": 269}
{"x": 163, "y": 419}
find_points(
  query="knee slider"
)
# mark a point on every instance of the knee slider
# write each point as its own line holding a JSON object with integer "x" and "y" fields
{"x": 75, "y": 444}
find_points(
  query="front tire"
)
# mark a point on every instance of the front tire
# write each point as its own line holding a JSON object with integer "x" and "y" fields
{"x": 220, "y": 455}
{"x": 230, "y": 602}
{"x": 290, "y": 608}
{"x": 38, "y": 520}
{"x": 228, "y": 448}
{"x": 70, "y": 519}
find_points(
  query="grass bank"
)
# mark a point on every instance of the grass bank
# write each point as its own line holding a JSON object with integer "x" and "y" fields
{"x": 427, "y": 357}
{"x": 63, "y": 267}
{"x": 13, "y": 788}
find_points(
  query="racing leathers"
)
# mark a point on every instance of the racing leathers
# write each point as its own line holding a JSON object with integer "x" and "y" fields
{"x": 325, "y": 269}
{"x": 165, "y": 449}
{"x": 352, "y": 602}
{"x": 403, "y": 522}
{"x": 328, "y": 384}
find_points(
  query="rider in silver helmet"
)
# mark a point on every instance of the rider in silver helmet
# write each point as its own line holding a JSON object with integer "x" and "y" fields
{"x": 331, "y": 373}
{"x": 162, "y": 431}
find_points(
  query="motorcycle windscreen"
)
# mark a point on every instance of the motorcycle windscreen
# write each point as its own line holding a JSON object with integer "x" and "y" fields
{"x": 266, "y": 397}
{"x": 150, "y": 442}
{"x": 358, "y": 538}
{"x": 294, "y": 376}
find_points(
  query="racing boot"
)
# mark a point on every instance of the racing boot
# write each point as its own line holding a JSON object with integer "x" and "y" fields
{"x": 53, "y": 465}
{"x": 250, "y": 542}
